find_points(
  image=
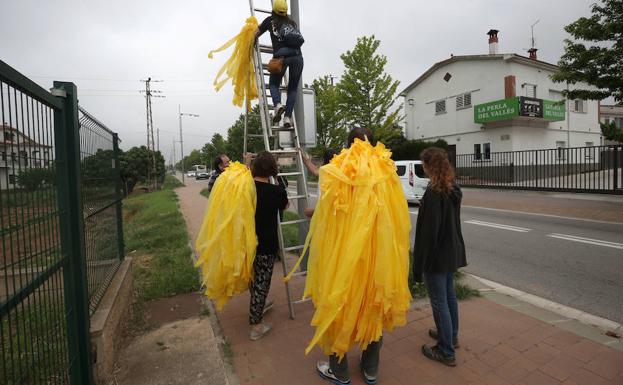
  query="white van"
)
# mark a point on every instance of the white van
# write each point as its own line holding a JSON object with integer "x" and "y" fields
{"x": 413, "y": 178}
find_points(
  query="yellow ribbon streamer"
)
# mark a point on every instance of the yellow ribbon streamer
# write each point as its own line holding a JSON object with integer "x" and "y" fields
{"x": 358, "y": 241}
{"x": 226, "y": 242}
{"x": 239, "y": 67}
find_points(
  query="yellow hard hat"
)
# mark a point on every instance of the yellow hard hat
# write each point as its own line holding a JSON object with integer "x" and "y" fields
{"x": 280, "y": 7}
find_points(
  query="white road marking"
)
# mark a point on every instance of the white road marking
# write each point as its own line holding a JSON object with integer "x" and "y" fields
{"x": 590, "y": 241}
{"x": 541, "y": 215}
{"x": 499, "y": 226}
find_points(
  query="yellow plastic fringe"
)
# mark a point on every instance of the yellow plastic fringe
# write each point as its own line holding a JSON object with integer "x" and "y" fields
{"x": 358, "y": 240}
{"x": 226, "y": 242}
{"x": 239, "y": 67}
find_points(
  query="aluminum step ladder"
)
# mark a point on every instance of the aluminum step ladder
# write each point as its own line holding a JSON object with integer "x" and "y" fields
{"x": 271, "y": 135}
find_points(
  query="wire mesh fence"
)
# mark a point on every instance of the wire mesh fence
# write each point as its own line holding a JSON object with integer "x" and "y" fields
{"x": 60, "y": 230}
{"x": 34, "y": 347}
{"x": 100, "y": 201}
{"x": 594, "y": 169}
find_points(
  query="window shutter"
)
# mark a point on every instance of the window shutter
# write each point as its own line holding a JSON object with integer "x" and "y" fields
{"x": 440, "y": 107}
{"x": 467, "y": 100}
{"x": 459, "y": 102}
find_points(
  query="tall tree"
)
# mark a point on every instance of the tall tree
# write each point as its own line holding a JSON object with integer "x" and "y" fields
{"x": 235, "y": 135}
{"x": 330, "y": 129}
{"x": 599, "y": 64}
{"x": 367, "y": 92}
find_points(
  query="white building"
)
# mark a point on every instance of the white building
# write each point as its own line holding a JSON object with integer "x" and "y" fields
{"x": 497, "y": 102}
{"x": 18, "y": 152}
{"x": 611, "y": 113}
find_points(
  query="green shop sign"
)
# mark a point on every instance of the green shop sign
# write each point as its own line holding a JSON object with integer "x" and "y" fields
{"x": 498, "y": 110}
{"x": 519, "y": 106}
{"x": 553, "y": 111}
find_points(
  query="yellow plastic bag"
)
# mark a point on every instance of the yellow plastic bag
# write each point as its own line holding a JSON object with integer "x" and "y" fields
{"x": 239, "y": 67}
{"x": 358, "y": 240}
{"x": 226, "y": 242}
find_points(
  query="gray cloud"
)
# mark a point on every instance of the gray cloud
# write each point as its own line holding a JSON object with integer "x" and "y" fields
{"x": 107, "y": 47}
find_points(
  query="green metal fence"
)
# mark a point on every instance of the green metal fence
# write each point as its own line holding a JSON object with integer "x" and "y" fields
{"x": 60, "y": 230}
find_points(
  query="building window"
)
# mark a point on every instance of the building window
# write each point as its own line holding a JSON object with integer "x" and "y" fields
{"x": 607, "y": 120}
{"x": 23, "y": 154}
{"x": 530, "y": 90}
{"x": 618, "y": 122}
{"x": 13, "y": 156}
{"x": 561, "y": 150}
{"x": 3, "y": 154}
{"x": 8, "y": 136}
{"x": 486, "y": 148}
{"x": 590, "y": 144}
{"x": 440, "y": 107}
{"x": 477, "y": 152}
{"x": 11, "y": 179}
{"x": 505, "y": 137}
{"x": 579, "y": 106}
{"x": 590, "y": 151}
{"x": 464, "y": 101}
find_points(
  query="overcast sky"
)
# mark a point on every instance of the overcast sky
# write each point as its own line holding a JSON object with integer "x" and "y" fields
{"x": 106, "y": 47}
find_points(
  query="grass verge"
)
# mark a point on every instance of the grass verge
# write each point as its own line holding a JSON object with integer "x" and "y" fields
{"x": 205, "y": 192}
{"x": 156, "y": 232}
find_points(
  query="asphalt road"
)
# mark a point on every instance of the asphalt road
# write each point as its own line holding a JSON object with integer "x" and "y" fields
{"x": 574, "y": 262}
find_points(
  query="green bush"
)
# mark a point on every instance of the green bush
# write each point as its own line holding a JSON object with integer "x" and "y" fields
{"x": 33, "y": 179}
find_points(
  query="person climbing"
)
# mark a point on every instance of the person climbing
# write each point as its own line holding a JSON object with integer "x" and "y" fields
{"x": 286, "y": 40}
{"x": 270, "y": 200}
{"x": 219, "y": 165}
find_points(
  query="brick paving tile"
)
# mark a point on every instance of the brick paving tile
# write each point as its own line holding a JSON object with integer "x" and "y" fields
{"x": 493, "y": 358}
{"x": 584, "y": 377}
{"x": 584, "y": 350}
{"x": 562, "y": 339}
{"x": 478, "y": 366}
{"x": 493, "y": 379}
{"x": 541, "y": 354}
{"x": 607, "y": 365}
{"x": 512, "y": 373}
{"x": 540, "y": 378}
{"x": 506, "y": 350}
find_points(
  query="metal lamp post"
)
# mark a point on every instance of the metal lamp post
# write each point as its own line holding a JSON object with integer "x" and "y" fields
{"x": 182, "y": 139}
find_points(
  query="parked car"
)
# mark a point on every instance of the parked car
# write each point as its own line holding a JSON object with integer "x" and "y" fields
{"x": 191, "y": 174}
{"x": 202, "y": 175}
{"x": 413, "y": 178}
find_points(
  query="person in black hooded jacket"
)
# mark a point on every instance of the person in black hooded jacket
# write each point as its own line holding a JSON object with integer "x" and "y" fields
{"x": 439, "y": 251}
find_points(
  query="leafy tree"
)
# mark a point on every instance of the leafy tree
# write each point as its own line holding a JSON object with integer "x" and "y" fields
{"x": 367, "y": 93}
{"x": 235, "y": 135}
{"x": 330, "y": 129}
{"x": 217, "y": 146}
{"x": 135, "y": 165}
{"x": 611, "y": 132}
{"x": 33, "y": 179}
{"x": 601, "y": 63}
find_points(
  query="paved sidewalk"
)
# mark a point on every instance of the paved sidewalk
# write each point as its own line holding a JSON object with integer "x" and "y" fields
{"x": 498, "y": 344}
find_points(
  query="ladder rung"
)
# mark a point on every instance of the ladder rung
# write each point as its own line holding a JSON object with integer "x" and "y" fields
{"x": 292, "y": 248}
{"x": 280, "y": 128}
{"x": 266, "y": 48}
{"x": 262, "y": 10}
{"x": 281, "y": 88}
{"x": 302, "y": 300}
{"x": 257, "y": 135}
{"x": 297, "y": 197}
{"x": 289, "y": 173}
{"x": 294, "y": 222}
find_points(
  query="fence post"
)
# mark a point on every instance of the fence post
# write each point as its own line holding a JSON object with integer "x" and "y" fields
{"x": 616, "y": 168}
{"x": 67, "y": 139}
{"x": 117, "y": 176}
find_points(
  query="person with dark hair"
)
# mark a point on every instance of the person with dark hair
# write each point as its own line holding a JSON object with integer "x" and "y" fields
{"x": 361, "y": 133}
{"x": 219, "y": 165}
{"x": 439, "y": 251}
{"x": 270, "y": 200}
{"x": 286, "y": 40}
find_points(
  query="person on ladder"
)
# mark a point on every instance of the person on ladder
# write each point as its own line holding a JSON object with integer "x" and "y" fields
{"x": 286, "y": 40}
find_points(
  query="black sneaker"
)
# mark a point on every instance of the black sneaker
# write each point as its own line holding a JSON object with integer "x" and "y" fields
{"x": 367, "y": 378}
{"x": 435, "y": 354}
{"x": 432, "y": 333}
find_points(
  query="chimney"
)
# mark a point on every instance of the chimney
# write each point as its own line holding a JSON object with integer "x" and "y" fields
{"x": 532, "y": 52}
{"x": 493, "y": 41}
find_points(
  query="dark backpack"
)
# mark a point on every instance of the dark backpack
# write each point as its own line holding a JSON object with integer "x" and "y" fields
{"x": 290, "y": 36}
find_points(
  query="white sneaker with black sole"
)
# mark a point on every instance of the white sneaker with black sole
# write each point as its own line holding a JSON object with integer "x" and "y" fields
{"x": 279, "y": 110}
{"x": 324, "y": 370}
{"x": 287, "y": 122}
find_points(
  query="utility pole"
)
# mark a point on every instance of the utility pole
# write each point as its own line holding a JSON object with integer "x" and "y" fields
{"x": 152, "y": 170}
{"x": 182, "y": 139}
{"x": 174, "y": 170}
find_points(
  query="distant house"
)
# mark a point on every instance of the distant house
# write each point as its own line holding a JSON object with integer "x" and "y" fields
{"x": 19, "y": 152}
{"x": 611, "y": 113}
{"x": 482, "y": 104}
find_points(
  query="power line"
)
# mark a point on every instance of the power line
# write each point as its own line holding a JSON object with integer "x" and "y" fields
{"x": 152, "y": 175}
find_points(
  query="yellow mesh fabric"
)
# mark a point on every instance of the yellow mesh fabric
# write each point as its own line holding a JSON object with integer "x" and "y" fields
{"x": 239, "y": 67}
{"x": 359, "y": 250}
{"x": 226, "y": 242}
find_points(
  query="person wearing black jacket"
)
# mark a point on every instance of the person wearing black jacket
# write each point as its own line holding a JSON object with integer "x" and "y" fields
{"x": 439, "y": 251}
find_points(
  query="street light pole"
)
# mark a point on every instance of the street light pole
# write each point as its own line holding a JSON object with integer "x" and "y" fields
{"x": 182, "y": 139}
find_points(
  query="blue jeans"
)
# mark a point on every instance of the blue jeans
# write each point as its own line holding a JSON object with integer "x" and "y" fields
{"x": 445, "y": 309}
{"x": 295, "y": 63}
